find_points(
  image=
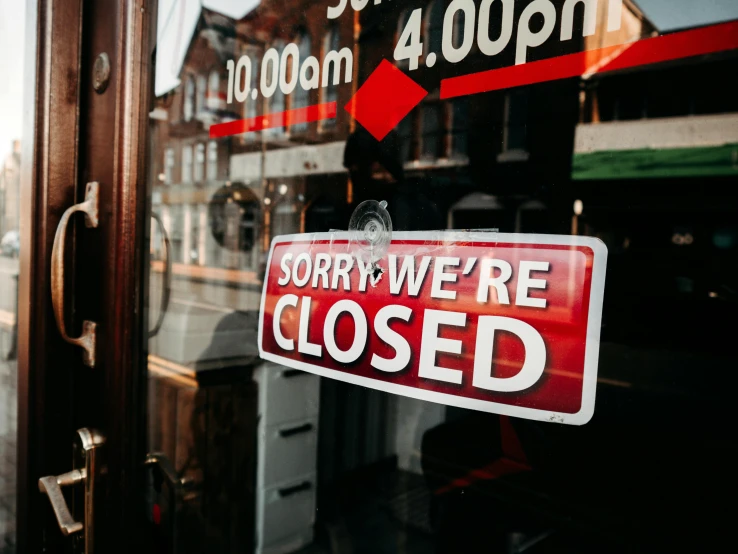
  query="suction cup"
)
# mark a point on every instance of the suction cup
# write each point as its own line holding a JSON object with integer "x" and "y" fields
{"x": 370, "y": 229}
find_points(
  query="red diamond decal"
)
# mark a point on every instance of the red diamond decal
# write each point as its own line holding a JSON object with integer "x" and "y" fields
{"x": 384, "y": 99}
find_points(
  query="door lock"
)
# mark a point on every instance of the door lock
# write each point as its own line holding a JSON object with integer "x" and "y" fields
{"x": 88, "y": 447}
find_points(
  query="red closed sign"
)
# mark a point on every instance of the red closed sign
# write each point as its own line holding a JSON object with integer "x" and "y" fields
{"x": 501, "y": 323}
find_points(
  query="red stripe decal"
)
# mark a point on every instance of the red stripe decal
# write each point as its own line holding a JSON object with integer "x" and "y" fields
{"x": 513, "y": 461}
{"x": 684, "y": 44}
{"x": 497, "y": 469}
{"x": 317, "y": 112}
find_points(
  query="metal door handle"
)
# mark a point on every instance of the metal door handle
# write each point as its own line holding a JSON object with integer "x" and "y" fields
{"x": 51, "y": 486}
{"x": 167, "y": 287}
{"x": 176, "y": 493}
{"x": 89, "y": 442}
{"x": 89, "y": 207}
{"x": 167, "y": 469}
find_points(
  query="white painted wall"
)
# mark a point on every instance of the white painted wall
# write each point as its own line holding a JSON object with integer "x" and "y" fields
{"x": 290, "y": 162}
{"x": 676, "y": 132}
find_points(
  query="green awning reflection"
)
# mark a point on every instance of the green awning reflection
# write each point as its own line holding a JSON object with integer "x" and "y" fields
{"x": 710, "y": 161}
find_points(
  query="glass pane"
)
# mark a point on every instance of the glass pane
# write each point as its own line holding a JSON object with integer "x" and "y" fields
{"x": 431, "y": 130}
{"x": 12, "y": 97}
{"x": 516, "y": 126}
{"x": 434, "y": 26}
{"x": 545, "y": 117}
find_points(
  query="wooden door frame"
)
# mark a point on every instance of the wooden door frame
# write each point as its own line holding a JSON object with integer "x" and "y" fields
{"x": 73, "y": 135}
{"x": 48, "y": 177}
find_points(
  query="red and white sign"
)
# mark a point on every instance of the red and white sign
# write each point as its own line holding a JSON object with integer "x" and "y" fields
{"x": 507, "y": 324}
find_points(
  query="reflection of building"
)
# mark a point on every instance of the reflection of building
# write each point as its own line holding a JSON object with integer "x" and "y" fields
{"x": 514, "y": 144}
{"x": 672, "y": 127}
{"x": 9, "y": 189}
{"x": 193, "y": 167}
{"x": 222, "y": 200}
{"x": 295, "y": 165}
{"x": 678, "y": 120}
{"x": 655, "y": 169}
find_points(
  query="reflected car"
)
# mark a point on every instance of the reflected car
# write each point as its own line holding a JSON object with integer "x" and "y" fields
{"x": 10, "y": 244}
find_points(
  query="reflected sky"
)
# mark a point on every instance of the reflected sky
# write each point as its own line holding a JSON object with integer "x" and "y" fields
{"x": 12, "y": 23}
{"x": 678, "y": 14}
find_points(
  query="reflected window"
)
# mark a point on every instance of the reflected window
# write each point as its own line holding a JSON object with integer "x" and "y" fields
{"x": 285, "y": 212}
{"x": 212, "y": 161}
{"x": 515, "y": 134}
{"x": 169, "y": 166}
{"x": 432, "y": 130}
{"x": 193, "y": 220}
{"x": 251, "y": 106}
{"x": 302, "y": 96}
{"x": 459, "y": 128}
{"x": 215, "y": 100}
{"x": 176, "y": 232}
{"x": 187, "y": 164}
{"x": 204, "y": 232}
{"x": 405, "y": 132}
{"x": 277, "y": 101}
{"x": 199, "y": 163}
{"x": 434, "y": 27}
{"x": 630, "y": 106}
{"x": 233, "y": 216}
{"x": 330, "y": 93}
{"x": 189, "y": 99}
{"x": 202, "y": 89}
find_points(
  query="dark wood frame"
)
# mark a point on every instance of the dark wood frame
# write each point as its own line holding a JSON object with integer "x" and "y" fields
{"x": 73, "y": 135}
{"x": 48, "y": 177}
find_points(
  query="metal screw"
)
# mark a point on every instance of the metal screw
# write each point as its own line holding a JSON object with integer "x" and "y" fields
{"x": 101, "y": 73}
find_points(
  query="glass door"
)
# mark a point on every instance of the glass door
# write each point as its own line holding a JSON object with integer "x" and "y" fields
{"x": 11, "y": 138}
{"x": 605, "y": 119}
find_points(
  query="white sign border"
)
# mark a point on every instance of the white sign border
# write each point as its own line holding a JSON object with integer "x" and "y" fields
{"x": 594, "y": 323}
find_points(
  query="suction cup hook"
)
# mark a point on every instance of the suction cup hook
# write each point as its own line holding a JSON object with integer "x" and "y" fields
{"x": 370, "y": 229}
